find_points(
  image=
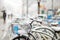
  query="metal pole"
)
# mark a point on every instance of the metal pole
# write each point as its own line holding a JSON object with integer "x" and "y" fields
{"x": 52, "y": 4}
{"x": 22, "y": 8}
{"x": 27, "y": 8}
{"x": 39, "y": 7}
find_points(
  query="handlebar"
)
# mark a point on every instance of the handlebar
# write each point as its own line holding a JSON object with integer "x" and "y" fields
{"x": 33, "y": 20}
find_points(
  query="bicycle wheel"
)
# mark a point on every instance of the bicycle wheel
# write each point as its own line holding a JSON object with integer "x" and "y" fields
{"x": 21, "y": 38}
{"x": 48, "y": 31}
{"x": 36, "y": 35}
{"x": 42, "y": 36}
{"x": 45, "y": 37}
{"x": 31, "y": 37}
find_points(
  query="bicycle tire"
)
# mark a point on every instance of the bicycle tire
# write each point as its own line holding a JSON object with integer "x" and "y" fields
{"x": 53, "y": 32}
{"x": 45, "y": 34}
{"x": 31, "y": 35}
{"x": 21, "y": 38}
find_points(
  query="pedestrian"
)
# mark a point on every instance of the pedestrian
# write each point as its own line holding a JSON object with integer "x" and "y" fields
{"x": 4, "y": 16}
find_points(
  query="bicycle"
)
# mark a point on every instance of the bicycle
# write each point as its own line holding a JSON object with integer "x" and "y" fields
{"x": 29, "y": 37}
{"x": 41, "y": 32}
{"x": 50, "y": 31}
{"x": 35, "y": 31}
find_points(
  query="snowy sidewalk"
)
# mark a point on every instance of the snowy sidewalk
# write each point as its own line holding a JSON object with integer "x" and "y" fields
{"x": 4, "y": 29}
